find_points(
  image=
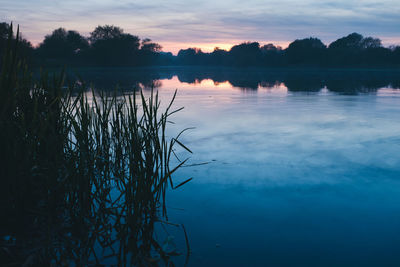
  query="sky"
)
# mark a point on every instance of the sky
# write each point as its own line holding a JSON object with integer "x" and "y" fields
{"x": 210, "y": 23}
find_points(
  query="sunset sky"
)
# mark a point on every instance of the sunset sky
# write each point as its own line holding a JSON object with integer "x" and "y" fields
{"x": 209, "y": 23}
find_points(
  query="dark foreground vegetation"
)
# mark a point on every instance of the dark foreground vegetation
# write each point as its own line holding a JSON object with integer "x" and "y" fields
{"x": 83, "y": 175}
{"x": 110, "y": 46}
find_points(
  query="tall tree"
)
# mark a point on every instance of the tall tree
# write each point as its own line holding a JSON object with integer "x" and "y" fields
{"x": 306, "y": 51}
{"x": 62, "y": 44}
{"x": 111, "y": 46}
{"x": 245, "y": 54}
{"x": 105, "y": 32}
{"x": 148, "y": 45}
{"x": 355, "y": 49}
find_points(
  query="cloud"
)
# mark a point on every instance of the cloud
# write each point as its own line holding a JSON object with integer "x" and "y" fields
{"x": 209, "y": 21}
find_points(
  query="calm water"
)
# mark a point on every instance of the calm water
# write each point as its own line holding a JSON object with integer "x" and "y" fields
{"x": 295, "y": 177}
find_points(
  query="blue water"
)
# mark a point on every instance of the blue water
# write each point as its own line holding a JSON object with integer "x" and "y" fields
{"x": 293, "y": 178}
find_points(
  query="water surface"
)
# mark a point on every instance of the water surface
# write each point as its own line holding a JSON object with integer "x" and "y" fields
{"x": 301, "y": 171}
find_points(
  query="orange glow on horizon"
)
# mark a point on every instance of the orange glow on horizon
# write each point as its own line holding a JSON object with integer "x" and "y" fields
{"x": 174, "y": 47}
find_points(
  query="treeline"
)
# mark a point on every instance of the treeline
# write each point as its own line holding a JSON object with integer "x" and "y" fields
{"x": 111, "y": 46}
{"x": 106, "y": 46}
{"x": 350, "y": 51}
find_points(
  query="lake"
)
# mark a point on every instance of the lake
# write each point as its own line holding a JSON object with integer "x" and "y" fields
{"x": 302, "y": 168}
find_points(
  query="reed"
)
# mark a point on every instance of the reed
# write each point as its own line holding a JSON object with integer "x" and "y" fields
{"x": 84, "y": 174}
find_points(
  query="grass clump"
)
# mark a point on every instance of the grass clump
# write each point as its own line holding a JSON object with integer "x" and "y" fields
{"x": 84, "y": 175}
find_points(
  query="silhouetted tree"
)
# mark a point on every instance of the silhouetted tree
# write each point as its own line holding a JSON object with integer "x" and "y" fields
{"x": 370, "y": 42}
{"x": 110, "y": 46}
{"x": 355, "y": 41}
{"x": 245, "y": 54}
{"x": 105, "y": 32}
{"x": 165, "y": 59}
{"x": 354, "y": 49}
{"x": 270, "y": 48}
{"x": 148, "y": 45}
{"x": 62, "y": 45}
{"x": 272, "y": 55}
{"x": 191, "y": 56}
{"x": 396, "y": 55}
{"x": 218, "y": 57}
{"x": 351, "y": 41}
{"x": 306, "y": 51}
{"x": 149, "y": 52}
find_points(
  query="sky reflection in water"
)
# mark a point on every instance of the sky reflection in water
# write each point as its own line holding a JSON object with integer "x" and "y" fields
{"x": 294, "y": 179}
